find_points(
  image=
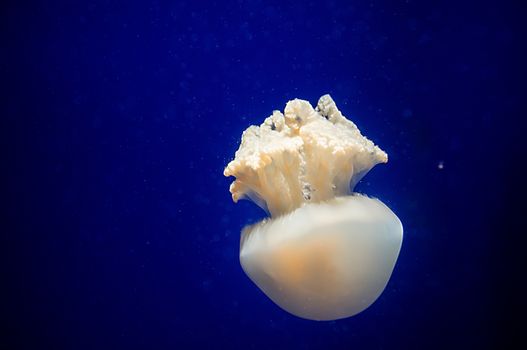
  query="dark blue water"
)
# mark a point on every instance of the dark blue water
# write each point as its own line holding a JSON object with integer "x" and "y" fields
{"x": 119, "y": 116}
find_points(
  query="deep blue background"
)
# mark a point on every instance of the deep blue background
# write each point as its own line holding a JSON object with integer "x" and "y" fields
{"x": 119, "y": 116}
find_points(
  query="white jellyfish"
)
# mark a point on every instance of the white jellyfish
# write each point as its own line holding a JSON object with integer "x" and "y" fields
{"x": 326, "y": 252}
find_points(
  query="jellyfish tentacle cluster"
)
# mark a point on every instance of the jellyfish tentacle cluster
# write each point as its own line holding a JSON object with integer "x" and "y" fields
{"x": 326, "y": 252}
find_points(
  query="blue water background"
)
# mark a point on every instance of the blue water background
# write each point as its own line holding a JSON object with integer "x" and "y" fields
{"x": 121, "y": 115}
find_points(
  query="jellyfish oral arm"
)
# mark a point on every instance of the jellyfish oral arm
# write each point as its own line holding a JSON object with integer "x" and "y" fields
{"x": 305, "y": 155}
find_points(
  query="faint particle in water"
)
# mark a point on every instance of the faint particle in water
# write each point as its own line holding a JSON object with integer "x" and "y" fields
{"x": 301, "y": 167}
{"x": 441, "y": 165}
{"x": 225, "y": 219}
{"x": 228, "y": 254}
{"x": 206, "y": 284}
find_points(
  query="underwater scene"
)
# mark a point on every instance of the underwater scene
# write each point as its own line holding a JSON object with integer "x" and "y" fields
{"x": 262, "y": 174}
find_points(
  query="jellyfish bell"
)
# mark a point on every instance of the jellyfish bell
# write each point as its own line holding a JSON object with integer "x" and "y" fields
{"x": 324, "y": 261}
{"x": 326, "y": 252}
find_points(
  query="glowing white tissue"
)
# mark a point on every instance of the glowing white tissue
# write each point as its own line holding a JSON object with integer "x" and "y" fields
{"x": 326, "y": 253}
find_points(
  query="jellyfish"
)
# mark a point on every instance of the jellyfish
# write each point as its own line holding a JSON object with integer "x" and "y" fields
{"x": 325, "y": 252}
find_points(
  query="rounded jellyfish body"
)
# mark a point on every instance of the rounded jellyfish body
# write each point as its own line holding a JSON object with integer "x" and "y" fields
{"x": 326, "y": 252}
{"x": 324, "y": 261}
